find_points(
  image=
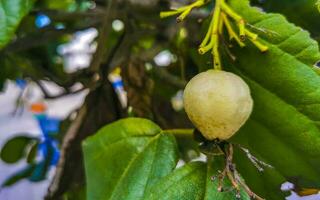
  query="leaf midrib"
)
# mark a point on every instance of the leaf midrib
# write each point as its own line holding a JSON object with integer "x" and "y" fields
{"x": 123, "y": 175}
{"x": 106, "y": 146}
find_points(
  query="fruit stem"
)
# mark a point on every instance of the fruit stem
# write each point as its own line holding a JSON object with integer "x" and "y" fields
{"x": 208, "y": 34}
{"x": 215, "y": 35}
{"x": 232, "y": 34}
{"x": 179, "y": 131}
{"x": 183, "y": 11}
{"x": 250, "y": 34}
{"x": 220, "y": 17}
{"x": 240, "y": 21}
{"x": 259, "y": 45}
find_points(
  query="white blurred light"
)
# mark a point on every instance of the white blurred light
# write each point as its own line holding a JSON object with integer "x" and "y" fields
{"x": 78, "y": 52}
{"x": 164, "y": 58}
{"x": 287, "y": 186}
{"x": 148, "y": 66}
{"x": 177, "y": 101}
{"x": 117, "y": 25}
{"x": 92, "y": 5}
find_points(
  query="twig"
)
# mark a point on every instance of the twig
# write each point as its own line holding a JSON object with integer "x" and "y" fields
{"x": 43, "y": 37}
{"x": 112, "y": 54}
{"x": 98, "y": 56}
{"x": 234, "y": 176}
{"x": 74, "y": 130}
{"x": 59, "y": 15}
{"x": 164, "y": 75}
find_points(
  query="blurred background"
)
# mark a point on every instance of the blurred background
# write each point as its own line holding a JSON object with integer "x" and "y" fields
{"x": 47, "y": 78}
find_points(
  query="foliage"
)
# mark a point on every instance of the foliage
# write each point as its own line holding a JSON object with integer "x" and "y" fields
{"x": 284, "y": 85}
{"x": 144, "y": 166}
{"x": 11, "y": 15}
{"x": 293, "y": 10}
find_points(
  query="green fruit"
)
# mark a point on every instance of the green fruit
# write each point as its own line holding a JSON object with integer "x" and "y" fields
{"x": 218, "y": 103}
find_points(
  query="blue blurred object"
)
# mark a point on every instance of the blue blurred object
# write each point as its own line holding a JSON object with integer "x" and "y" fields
{"x": 49, "y": 126}
{"x": 117, "y": 84}
{"x": 21, "y": 83}
{"x": 47, "y": 152}
{"x": 42, "y": 20}
{"x": 49, "y": 145}
{"x": 56, "y": 153}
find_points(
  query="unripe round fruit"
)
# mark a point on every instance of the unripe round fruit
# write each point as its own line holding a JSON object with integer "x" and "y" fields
{"x": 218, "y": 103}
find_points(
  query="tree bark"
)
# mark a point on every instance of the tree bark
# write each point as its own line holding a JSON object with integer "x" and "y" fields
{"x": 101, "y": 107}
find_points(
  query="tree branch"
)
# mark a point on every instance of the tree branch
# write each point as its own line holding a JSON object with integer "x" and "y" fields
{"x": 63, "y": 16}
{"x": 68, "y": 138}
{"x": 47, "y": 94}
{"x": 43, "y": 37}
{"x": 165, "y": 76}
{"x": 98, "y": 56}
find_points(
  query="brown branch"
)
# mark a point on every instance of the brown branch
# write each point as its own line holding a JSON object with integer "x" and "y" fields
{"x": 104, "y": 32}
{"x": 63, "y": 16}
{"x": 234, "y": 176}
{"x": 120, "y": 42}
{"x": 42, "y": 37}
{"x": 101, "y": 97}
{"x": 67, "y": 140}
{"x": 90, "y": 118}
{"x": 47, "y": 94}
{"x": 164, "y": 75}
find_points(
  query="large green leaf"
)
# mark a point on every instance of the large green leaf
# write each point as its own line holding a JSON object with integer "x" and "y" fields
{"x": 284, "y": 127}
{"x": 11, "y": 13}
{"x": 124, "y": 159}
{"x": 134, "y": 159}
{"x": 193, "y": 181}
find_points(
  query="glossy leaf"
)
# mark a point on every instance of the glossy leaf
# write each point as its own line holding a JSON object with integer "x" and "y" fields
{"x": 191, "y": 182}
{"x": 11, "y": 14}
{"x": 284, "y": 127}
{"x": 124, "y": 159}
{"x": 294, "y": 10}
{"x": 15, "y": 148}
{"x": 134, "y": 159}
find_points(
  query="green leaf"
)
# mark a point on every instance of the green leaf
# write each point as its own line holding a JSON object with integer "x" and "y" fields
{"x": 187, "y": 182}
{"x": 15, "y": 149}
{"x": 11, "y": 14}
{"x": 134, "y": 159}
{"x": 284, "y": 126}
{"x": 293, "y": 10}
{"x": 124, "y": 159}
{"x": 193, "y": 181}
